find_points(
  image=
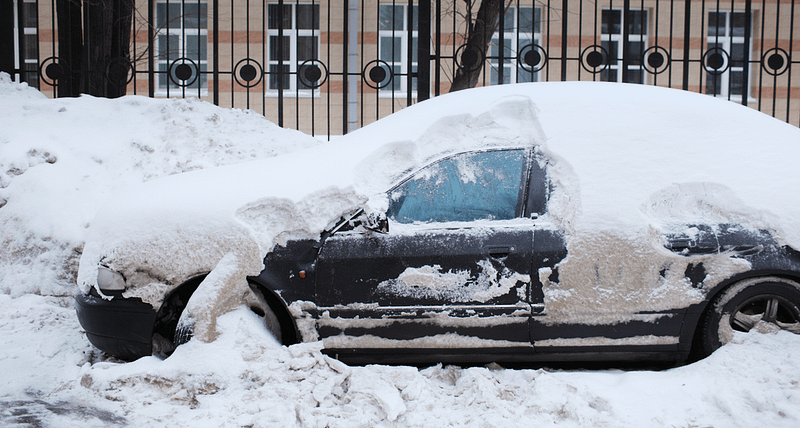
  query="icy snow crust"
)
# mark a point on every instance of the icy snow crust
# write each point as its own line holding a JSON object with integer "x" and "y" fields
{"x": 53, "y": 377}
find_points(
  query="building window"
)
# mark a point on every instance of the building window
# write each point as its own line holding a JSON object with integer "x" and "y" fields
{"x": 635, "y": 25}
{"x": 26, "y": 50}
{"x": 393, "y": 47}
{"x": 726, "y": 52}
{"x": 182, "y": 45}
{"x": 299, "y": 43}
{"x": 521, "y": 31}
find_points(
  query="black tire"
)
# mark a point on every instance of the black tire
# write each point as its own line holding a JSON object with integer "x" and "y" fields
{"x": 743, "y": 305}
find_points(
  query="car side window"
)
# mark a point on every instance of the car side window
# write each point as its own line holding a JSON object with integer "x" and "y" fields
{"x": 464, "y": 187}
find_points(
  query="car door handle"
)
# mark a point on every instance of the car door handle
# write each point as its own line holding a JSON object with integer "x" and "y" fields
{"x": 500, "y": 251}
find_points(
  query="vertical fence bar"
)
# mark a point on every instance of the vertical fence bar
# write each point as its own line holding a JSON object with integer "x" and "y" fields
{"x": 438, "y": 52}
{"x": 687, "y": 23}
{"x": 748, "y": 10}
{"x": 789, "y": 66}
{"x": 564, "y": 39}
{"x": 424, "y": 51}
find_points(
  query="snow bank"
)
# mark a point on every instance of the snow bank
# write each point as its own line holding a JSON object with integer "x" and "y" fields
{"x": 245, "y": 379}
{"x": 61, "y": 160}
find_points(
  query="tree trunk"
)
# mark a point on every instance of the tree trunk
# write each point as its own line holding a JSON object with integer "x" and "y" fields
{"x": 480, "y": 35}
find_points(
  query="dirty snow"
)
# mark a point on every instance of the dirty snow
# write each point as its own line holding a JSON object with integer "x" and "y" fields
{"x": 60, "y": 161}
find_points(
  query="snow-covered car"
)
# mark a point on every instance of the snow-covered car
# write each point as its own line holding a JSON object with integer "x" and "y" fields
{"x": 547, "y": 221}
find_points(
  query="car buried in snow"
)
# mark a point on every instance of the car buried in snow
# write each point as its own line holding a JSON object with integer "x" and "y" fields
{"x": 536, "y": 222}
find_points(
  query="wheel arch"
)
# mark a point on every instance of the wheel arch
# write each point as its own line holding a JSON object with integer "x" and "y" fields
{"x": 694, "y": 319}
{"x": 175, "y": 302}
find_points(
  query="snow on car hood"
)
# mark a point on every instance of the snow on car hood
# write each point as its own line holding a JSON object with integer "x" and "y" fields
{"x": 624, "y": 159}
{"x": 170, "y": 229}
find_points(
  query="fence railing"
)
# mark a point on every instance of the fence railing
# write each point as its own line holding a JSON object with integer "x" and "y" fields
{"x": 328, "y": 67}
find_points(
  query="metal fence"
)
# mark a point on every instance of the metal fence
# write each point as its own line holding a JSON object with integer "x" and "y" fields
{"x": 328, "y": 67}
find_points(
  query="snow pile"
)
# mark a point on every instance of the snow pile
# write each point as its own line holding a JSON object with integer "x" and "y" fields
{"x": 61, "y": 160}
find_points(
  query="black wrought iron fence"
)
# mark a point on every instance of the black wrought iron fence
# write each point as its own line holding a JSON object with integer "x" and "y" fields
{"x": 328, "y": 67}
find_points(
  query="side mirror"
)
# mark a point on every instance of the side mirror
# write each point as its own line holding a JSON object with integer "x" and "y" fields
{"x": 376, "y": 222}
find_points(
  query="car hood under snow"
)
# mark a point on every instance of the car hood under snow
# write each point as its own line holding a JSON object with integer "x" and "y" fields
{"x": 624, "y": 159}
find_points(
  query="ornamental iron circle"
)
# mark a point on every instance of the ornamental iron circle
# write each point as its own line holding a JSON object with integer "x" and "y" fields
{"x": 183, "y": 72}
{"x": 657, "y": 60}
{"x": 532, "y": 58}
{"x": 312, "y": 73}
{"x": 469, "y": 59}
{"x": 594, "y": 59}
{"x": 377, "y": 74}
{"x": 52, "y": 69}
{"x": 119, "y": 72}
{"x": 775, "y": 61}
{"x": 716, "y": 61}
{"x": 248, "y": 73}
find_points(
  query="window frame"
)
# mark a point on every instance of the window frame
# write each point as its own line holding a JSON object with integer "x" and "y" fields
{"x": 406, "y": 65}
{"x": 617, "y": 64}
{"x": 510, "y": 62}
{"x": 293, "y": 63}
{"x": 164, "y": 85}
{"x": 726, "y": 42}
{"x": 28, "y": 65}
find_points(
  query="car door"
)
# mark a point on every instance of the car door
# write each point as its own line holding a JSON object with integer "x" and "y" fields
{"x": 453, "y": 270}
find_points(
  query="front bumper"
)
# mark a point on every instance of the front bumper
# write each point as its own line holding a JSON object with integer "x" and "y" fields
{"x": 121, "y": 327}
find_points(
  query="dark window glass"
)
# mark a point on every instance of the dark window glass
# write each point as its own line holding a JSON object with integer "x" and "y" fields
{"x": 530, "y": 20}
{"x": 738, "y": 24}
{"x": 716, "y": 24}
{"x": 466, "y": 187}
{"x": 168, "y": 46}
{"x": 196, "y": 46}
{"x": 274, "y": 53}
{"x": 737, "y": 82}
{"x": 30, "y": 15}
{"x": 275, "y": 79}
{"x": 612, "y": 20}
{"x": 637, "y": 22}
{"x": 306, "y": 48}
{"x": 391, "y": 17}
{"x": 611, "y": 50}
{"x": 275, "y": 17}
{"x": 608, "y": 75}
{"x": 308, "y": 17}
{"x": 30, "y": 44}
{"x": 713, "y": 84}
{"x": 635, "y": 50}
{"x": 195, "y": 15}
{"x": 168, "y": 15}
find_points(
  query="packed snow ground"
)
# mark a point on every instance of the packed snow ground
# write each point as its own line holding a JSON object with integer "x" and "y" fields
{"x": 61, "y": 159}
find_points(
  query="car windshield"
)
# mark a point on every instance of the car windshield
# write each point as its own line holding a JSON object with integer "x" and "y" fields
{"x": 464, "y": 187}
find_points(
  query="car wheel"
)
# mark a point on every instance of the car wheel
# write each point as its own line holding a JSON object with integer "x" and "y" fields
{"x": 759, "y": 303}
{"x": 253, "y": 299}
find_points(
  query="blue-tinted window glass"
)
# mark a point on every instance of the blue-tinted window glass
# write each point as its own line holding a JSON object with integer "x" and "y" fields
{"x": 466, "y": 187}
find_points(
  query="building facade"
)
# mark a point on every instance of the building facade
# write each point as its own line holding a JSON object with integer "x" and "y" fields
{"x": 327, "y": 67}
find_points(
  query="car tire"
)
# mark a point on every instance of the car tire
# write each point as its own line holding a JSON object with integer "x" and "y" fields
{"x": 744, "y": 305}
